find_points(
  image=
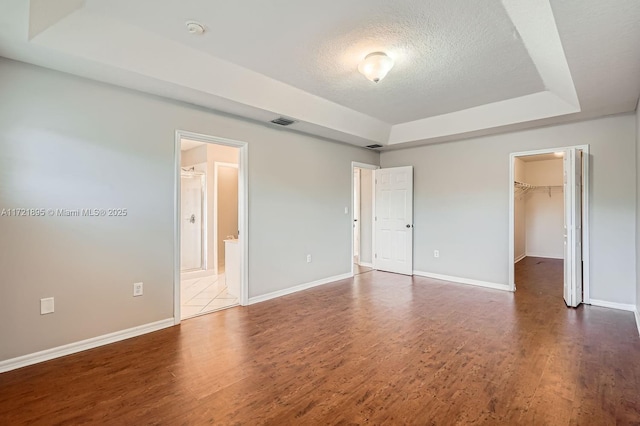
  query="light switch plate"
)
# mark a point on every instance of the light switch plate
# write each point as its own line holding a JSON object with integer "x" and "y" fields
{"x": 46, "y": 306}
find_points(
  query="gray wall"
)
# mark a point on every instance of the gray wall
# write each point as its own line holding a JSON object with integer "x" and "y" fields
{"x": 71, "y": 143}
{"x": 462, "y": 202}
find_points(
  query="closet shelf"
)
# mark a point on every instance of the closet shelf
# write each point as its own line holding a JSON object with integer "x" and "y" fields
{"x": 522, "y": 188}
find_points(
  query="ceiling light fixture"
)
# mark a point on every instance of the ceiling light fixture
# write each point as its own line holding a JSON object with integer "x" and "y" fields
{"x": 195, "y": 27}
{"x": 375, "y": 66}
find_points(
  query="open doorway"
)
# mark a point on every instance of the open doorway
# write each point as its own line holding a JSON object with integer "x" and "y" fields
{"x": 363, "y": 217}
{"x": 549, "y": 223}
{"x": 211, "y": 215}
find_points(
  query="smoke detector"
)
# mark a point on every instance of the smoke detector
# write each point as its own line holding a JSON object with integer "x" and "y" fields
{"x": 195, "y": 27}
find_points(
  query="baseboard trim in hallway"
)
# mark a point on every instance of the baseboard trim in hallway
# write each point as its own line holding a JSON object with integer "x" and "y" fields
{"x": 460, "y": 280}
{"x": 83, "y": 345}
{"x": 637, "y": 314}
{"x": 301, "y": 287}
{"x": 613, "y": 305}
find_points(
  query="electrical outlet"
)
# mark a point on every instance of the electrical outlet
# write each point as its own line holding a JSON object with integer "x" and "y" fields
{"x": 308, "y": 258}
{"x": 436, "y": 253}
{"x": 346, "y": 210}
{"x": 137, "y": 289}
{"x": 46, "y": 306}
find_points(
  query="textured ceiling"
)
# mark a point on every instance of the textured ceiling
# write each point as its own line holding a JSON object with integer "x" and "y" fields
{"x": 450, "y": 55}
{"x": 463, "y": 69}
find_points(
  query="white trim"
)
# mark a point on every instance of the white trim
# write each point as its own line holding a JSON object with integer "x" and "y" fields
{"x": 459, "y": 280}
{"x": 613, "y": 305}
{"x": 216, "y": 165}
{"x": 359, "y": 165}
{"x": 586, "y": 251}
{"x": 544, "y": 256}
{"x": 177, "y": 155}
{"x": 83, "y": 345}
{"x": 301, "y": 287}
{"x": 586, "y": 277}
{"x": 366, "y": 264}
{"x": 519, "y": 258}
{"x": 243, "y": 213}
{"x": 637, "y": 315}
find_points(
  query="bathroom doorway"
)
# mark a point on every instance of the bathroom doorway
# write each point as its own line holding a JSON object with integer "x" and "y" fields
{"x": 210, "y": 207}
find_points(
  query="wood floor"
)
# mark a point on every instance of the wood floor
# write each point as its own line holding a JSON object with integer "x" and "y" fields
{"x": 378, "y": 349}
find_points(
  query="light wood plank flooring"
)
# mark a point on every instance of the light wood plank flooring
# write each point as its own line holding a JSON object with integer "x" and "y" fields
{"x": 377, "y": 349}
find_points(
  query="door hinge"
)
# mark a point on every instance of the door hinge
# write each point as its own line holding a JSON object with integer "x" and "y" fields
{"x": 376, "y": 255}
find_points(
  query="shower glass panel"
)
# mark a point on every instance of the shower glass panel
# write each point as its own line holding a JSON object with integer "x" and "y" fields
{"x": 192, "y": 221}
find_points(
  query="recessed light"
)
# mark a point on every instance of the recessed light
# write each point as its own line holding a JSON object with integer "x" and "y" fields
{"x": 195, "y": 27}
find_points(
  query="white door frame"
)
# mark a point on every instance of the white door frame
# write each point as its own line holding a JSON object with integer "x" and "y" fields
{"x": 354, "y": 165}
{"x": 216, "y": 166}
{"x": 243, "y": 213}
{"x": 357, "y": 186}
{"x": 585, "y": 215}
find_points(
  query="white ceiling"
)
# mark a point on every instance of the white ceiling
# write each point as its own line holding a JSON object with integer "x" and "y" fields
{"x": 462, "y": 68}
{"x": 187, "y": 144}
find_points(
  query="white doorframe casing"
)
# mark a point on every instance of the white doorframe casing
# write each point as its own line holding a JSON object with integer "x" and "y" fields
{"x": 243, "y": 212}
{"x": 585, "y": 214}
{"x": 354, "y": 165}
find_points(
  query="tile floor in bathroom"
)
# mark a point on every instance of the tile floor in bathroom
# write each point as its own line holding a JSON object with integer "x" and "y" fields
{"x": 203, "y": 295}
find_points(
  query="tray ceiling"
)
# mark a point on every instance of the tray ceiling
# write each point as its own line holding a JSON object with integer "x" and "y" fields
{"x": 462, "y": 68}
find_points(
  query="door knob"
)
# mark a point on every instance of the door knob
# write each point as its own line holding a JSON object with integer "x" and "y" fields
{"x": 409, "y": 226}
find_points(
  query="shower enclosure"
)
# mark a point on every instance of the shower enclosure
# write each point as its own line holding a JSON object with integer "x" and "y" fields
{"x": 192, "y": 226}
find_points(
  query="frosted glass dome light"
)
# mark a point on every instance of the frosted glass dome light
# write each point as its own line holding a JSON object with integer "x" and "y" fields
{"x": 375, "y": 66}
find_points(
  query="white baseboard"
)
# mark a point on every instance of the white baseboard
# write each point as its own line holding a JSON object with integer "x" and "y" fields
{"x": 366, "y": 264}
{"x": 613, "y": 305}
{"x": 284, "y": 292}
{"x": 519, "y": 258}
{"x": 545, "y": 256}
{"x": 83, "y": 345}
{"x": 459, "y": 280}
{"x": 637, "y": 314}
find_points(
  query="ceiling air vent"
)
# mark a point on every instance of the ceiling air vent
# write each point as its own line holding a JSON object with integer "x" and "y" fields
{"x": 374, "y": 146}
{"x": 281, "y": 121}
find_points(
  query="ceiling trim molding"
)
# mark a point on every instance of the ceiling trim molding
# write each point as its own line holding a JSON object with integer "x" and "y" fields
{"x": 535, "y": 24}
{"x": 184, "y": 72}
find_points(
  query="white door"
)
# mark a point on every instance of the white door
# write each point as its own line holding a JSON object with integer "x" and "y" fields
{"x": 573, "y": 227}
{"x": 394, "y": 220}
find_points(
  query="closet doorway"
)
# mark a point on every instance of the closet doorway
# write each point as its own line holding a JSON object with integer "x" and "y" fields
{"x": 548, "y": 220}
{"x": 211, "y": 220}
